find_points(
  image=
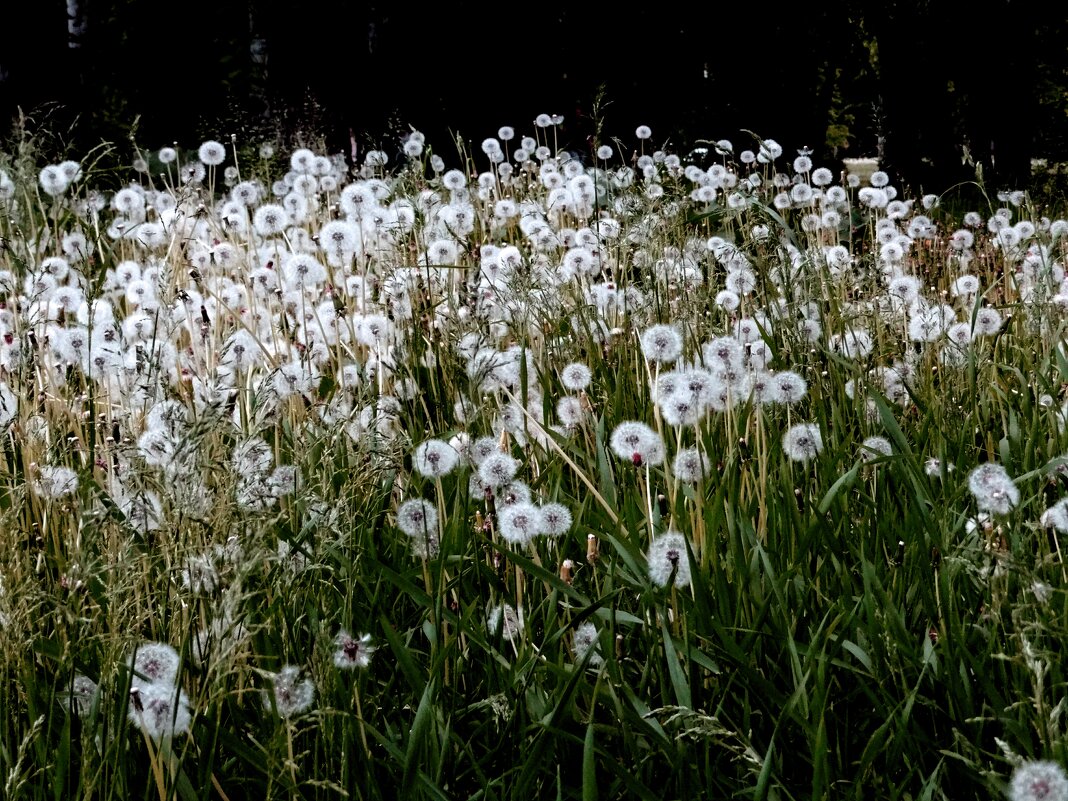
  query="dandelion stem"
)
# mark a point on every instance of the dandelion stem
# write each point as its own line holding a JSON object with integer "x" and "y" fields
{"x": 359, "y": 718}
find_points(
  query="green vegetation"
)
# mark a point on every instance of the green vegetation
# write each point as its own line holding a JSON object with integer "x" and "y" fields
{"x": 795, "y": 579}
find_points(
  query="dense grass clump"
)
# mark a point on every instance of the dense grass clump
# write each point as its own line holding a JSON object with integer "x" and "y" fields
{"x": 527, "y": 478}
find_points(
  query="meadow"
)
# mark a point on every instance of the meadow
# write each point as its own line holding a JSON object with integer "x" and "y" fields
{"x": 506, "y": 473}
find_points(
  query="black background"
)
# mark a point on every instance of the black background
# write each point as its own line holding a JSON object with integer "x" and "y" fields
{"x": 913, "y": 81}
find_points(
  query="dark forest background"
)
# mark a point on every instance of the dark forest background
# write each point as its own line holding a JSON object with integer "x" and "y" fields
{"x": 930, "y": 86}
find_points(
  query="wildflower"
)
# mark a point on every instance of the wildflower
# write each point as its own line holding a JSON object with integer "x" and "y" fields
{"x": 993, "y": 489}
{"x": 290, "y": 694}
{"x": 555, "y": 519}
{"x": 667, "y": 559}
{"x": 637, "y": 443}
{"x": 690, "y": 465}
{"x": 506, "y": 619}
{"x": 154, "y": 663}
{"x": 576, "y": 376}
{"x": 987, "y": 322}
{"x": 1042, "y": 591}
{"x": 1056, "y": 516}
{"x": 252, "y": 457}
{"x": 417, "y": 518}
{"x": 727, "y": 300}
{"x": 270, "y": 219}
{"x": 801, "y": 194}
{"x": 71, "y": 170}
{"x": 1038, "y": 781}
{"x": 223, "y": 637}
{"x": 292, "y": 557}
{"x": 192, "y": 173}
{"x": 927, "y": 325}
{"x": 699, "y": 386}
{"x": 873, "y": 198}
{"x": 211, "y": 153}
{"x": 723, "y": 354}
{"x": 905, "y": 288}
{"x": 160, "y": 710}
{"x": 497, "y": 469}
{"x": 519, "y": 523}
{"x": 294, "y": 379}
{"x": 585, "y": 642}
{"x": 855, "y": 343}
{"x": 747, "y": 329}
{"x": 513, "y": 492}
{"x": 790, "y": 387}
{"x": 254, "y": 492}
{"x": 936, "y": 468}
{"x": 569, "y": 410}
{"x": 965, "y": 285}
{"x": 661, "y": 343}
{"x": 822, "y": 176}
{"x": 874, "y": 447}
{"x": 483, "y": 447}
{"x": 680, "y": 410}
{"x": 759, "y": 356}
{"x": 284, "y": 480}
{"x": 80, "y": 698}
{"x": 352, "y": 652}
{"x": 303, "y": 271}
{"x": 435, "y": 458}
{"x": 199, "y": 574}
{"x": 55, "y": 482}
{"x": 339, "y": 240}
{"x": 802, "y": 442}
{"x": 53, "y": 180}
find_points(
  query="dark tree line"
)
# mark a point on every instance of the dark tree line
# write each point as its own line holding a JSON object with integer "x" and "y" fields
{"x": 927, "y": 85}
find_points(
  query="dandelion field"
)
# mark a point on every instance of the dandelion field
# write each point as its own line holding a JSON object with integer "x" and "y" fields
{"x": 716, "y": 474}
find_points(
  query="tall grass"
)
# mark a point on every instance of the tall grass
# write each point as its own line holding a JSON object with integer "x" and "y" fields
{"x": 857, "y": 624}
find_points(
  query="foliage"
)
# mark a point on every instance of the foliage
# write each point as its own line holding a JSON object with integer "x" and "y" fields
{"x": 867, "y": 622}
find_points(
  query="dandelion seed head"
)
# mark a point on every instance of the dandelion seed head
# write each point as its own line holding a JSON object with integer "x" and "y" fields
{"x": 154, "y": 663}
{"x": 497, "y": 469}
{"x": 667, "y": 557}
{"x": 585, "y": 641}
{"x": 435, "y": 458}
{"x": 290, "y": 694}
{"x": 638, "y": 443}
{"x": 80, "y": 698}
{"x": 556, "y": 519}
{"x": 1056, "y": 516}
{"x": 691, "y": 466}
{"x": 161, "y": 711}
{"x": 570, "y": 412}
{"x": 211, "y": 153}
{"x": 802, "y": 442}
{"x": 993, "y": 489}
{"x": 513, "y": 492}
{"x": 505, "y": 619}
{"x": 576, "y": 376}
{"x": 519, "y": 523}
{"x": 352, "y": 652}
{"x": 1038, "y": 781}
{"x": 417, "y": 518}
{"x": 875, "y": 448}
{"x": 661, "y": 343}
